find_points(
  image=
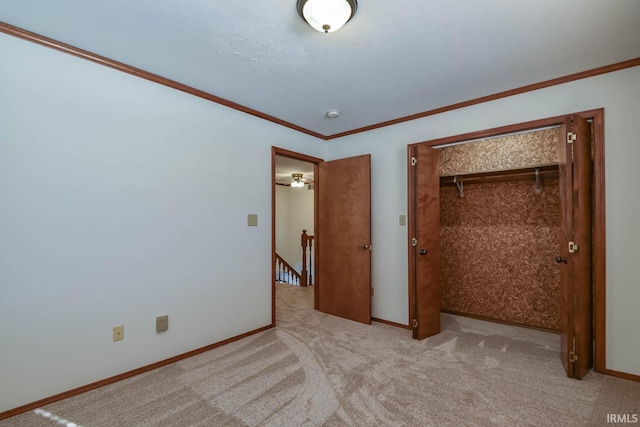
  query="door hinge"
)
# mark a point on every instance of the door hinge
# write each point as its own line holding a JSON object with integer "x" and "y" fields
{"x": 414, "y": 241}
{"x": 571, "y": 137}
{"x": 415, "y": 323}
{"x": 414, "y": 161}
{"x": 573, "y": 247}
{"x": 573, "y": 357}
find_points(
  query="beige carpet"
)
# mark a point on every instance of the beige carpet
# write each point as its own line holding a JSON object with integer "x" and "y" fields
{"x": 315, "y": 369}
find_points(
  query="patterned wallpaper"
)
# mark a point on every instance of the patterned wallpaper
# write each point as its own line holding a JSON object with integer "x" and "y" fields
{"x": 530, "y": 149}
{"x": 498, "y": 251}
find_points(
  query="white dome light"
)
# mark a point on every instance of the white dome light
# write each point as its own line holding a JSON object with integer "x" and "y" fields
{"x": 327, "y": 15}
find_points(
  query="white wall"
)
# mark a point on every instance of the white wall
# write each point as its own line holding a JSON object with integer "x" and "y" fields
{"x": 282, "y": 221}
{"x": 618, "y": 93}
{"x": 117, "y": 205}
{"x": 120, "y": 201}
{"x": 294, "y": 213}
{"x": 300, "y": 218}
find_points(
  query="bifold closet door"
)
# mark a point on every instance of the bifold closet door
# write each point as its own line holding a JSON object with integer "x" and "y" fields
{"x": 424, "y": 251}
{"x": 575, "y": 256}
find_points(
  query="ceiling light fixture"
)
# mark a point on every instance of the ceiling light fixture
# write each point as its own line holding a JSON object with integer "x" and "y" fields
{"x": 296, "y": 180}
{"x": 327, "y": 15}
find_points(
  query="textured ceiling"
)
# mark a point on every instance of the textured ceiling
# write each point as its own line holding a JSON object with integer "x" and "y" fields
{"x": 286, "y": 166}
{"x": 393, "y": 59}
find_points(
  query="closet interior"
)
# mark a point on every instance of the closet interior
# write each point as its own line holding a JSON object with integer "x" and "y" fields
{"x": 499, "y": 229}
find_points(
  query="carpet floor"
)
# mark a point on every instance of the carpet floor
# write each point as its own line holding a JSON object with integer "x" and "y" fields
{"x": 319, "y": 370}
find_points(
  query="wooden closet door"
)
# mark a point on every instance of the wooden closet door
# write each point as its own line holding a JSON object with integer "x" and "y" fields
{"x": 565, "y": 180}
{"x": 575, "y": 248}
{"x": 425, "y": 291}
{"x": 582, "y": 255}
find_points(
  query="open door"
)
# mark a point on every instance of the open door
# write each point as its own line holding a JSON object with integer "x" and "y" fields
{"x": 576, "y": 323}
{"x": 424, "y": 251}
{"x": 344, "y": 238}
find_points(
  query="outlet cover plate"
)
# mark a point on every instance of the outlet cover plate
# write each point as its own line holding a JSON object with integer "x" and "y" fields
{"x": 162, "y": 323}
{"x": 118, "y": 333}
{"x": 403, "y": 220}
{"x": 252, "y": 220}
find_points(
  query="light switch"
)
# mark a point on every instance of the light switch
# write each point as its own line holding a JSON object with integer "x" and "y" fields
{"x": 403, "y": 220}
{"x": 252, "y": 220}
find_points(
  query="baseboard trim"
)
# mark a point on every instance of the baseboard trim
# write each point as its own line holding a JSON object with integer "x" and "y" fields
{"x": 83, "y": 389}
{"x": 504, "y": 322}
{"x": 623, "y": 375}
{"x": 388, "y": 322}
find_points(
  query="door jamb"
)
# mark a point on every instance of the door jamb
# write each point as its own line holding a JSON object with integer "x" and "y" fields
{"x": 599, "y": 240}
{"x": 275, "y": 151}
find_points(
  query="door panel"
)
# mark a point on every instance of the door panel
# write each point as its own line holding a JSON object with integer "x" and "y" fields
{"x": 576, "y": 327}
{"x": 344, "y": 238}
{"x": 582, "y": 257}
{"x": 426, "y": 253}
{"x": 565, "y": 179}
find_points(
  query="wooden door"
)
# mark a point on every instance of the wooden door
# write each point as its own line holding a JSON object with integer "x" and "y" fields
{"x": 565, "y": 180}
{"x": 344, "y": 238}
{"x": 582, "y": 255}
{"x": 424, "y": 252}
{"x": 576, "y": 255}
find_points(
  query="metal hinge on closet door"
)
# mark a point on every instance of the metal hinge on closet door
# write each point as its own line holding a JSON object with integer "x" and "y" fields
{"x": 414, "y": 161}
{"x": 571, "y": 137}
{"x": 573, "y": 357}
{"x": 415, "y": 323}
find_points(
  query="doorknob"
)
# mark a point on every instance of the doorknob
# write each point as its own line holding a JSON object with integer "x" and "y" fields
{"x": 422, "y": 252}
{"x": 561, "y": 260}
{"x": 366, "y": 247}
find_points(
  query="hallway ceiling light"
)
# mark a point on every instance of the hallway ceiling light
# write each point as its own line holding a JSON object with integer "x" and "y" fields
{"x": 296, "y": 180}
{"x": 327, "y": 15}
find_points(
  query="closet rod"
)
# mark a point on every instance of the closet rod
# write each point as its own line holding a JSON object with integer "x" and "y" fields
{"x": 547, "y": 171}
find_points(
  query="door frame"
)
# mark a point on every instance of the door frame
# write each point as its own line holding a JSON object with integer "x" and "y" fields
{"x": 599, "y": 224}
{"x": 276, "y": 151}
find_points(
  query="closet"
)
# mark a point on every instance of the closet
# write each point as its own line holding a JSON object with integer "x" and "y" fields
{"x": 500, "y": 228}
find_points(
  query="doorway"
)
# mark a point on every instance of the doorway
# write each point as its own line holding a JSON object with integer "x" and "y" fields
{"x": 342, "y": 234}
{"x": 284, "y": 164}
{"x": 295, "y": 224}
{"x": 424, "y": 262}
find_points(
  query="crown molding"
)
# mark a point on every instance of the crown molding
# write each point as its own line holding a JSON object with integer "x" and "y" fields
{"x": 102, "y": 60}
{"x": 507, "y": 93}
{"x": 89, "y": 56}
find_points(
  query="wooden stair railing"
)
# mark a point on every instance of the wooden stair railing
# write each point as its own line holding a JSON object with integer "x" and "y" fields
{"x": 287, "y": 274}
{"x": 307, "y": 242}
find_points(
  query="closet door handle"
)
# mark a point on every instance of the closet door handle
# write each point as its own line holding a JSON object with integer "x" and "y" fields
{"x": 422, "y": 251}
{"x": 561, "y": 260}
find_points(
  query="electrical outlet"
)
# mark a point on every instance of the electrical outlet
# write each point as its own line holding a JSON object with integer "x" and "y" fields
{"x": 118, "y": 333}
{"x": 252, "y": 220}
{"x": 162, "y": 323}
{"x": 403, "y": 220}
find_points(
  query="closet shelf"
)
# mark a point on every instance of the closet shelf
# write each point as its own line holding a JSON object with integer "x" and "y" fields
{"x": 547, "y": 171}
